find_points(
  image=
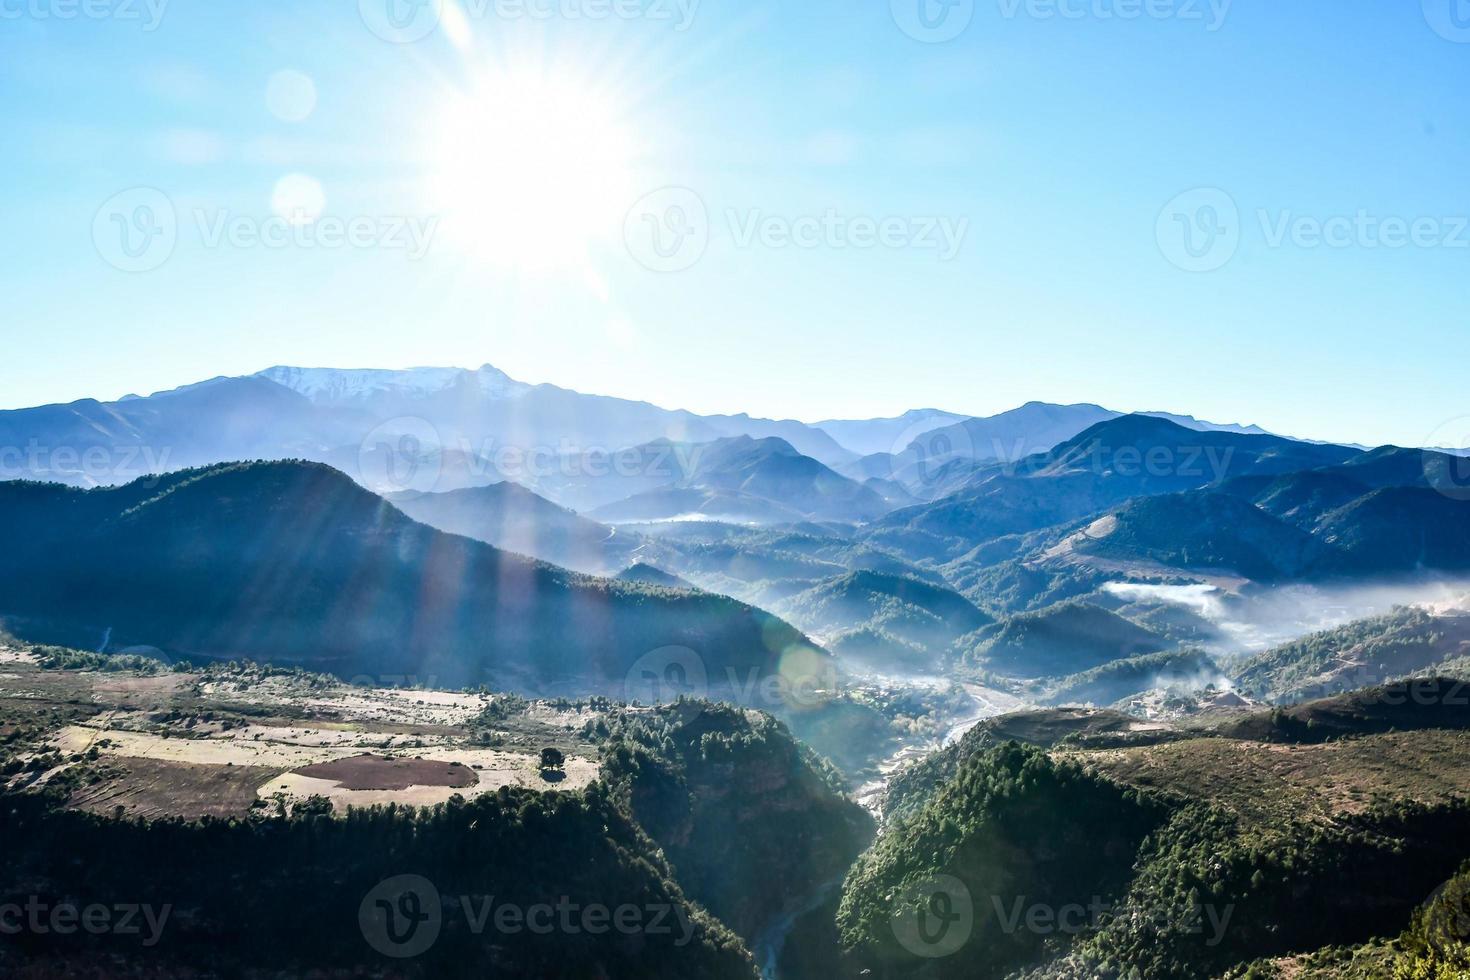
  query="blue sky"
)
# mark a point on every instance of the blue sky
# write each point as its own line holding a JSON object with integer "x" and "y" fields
{"x": 872, "y": 221}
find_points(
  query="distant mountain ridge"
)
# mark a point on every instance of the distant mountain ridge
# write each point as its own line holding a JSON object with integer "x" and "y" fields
{"x": 757, "y": 481}
{"x": 868, "y": 436}
{"x": 1103, "y": 467}
{"x": 469, "y": 427}
{"x": 941, "y": 458}
{"x": 914, "y": 612}
{"x": 1067, "y": 638}
{"x": 291, "y": 562}
{"x": 1201, "y": 531}
{"x": 490, "y": 406}
{"x": 1372, "y": 515}
{"x": 512, "y": 518}
{"x": 451, "y": 428}
{"x": 1008, "y": 511}
{"x": 1368, "y": 651}
{"x": 649, "y": 575}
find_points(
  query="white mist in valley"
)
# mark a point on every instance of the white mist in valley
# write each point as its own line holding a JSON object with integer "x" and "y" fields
{"x": 1262, "y": 617}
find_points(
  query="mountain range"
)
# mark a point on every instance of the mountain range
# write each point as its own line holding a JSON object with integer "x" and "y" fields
{"x": 756, "y": 481}
{"x": 1102, "y": 467}
{"x": 461, "y": 516}
{"x": 940, "y": 460}
{"x": 292, "y": 562}
{"x": 472, "y": 427}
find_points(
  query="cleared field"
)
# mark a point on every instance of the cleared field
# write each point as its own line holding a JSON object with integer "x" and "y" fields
{"x": 1319, "y": 782}
{"x": 268, "y": 754}
{"x": 280, "y": 749}
{"x": 195, "y": 745}
{"x": 132, "y": 692}
{"x": 31, "y": 697}
{"x": 364, "y": 772}
{"x": 152, "y": 788}
{"x": 488, "y": 769}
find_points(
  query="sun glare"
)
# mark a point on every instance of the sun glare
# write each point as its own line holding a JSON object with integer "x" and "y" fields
{"x": 529, "y": 171}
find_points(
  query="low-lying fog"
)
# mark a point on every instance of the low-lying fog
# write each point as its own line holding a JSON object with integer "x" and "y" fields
{"x": 1249, "y": 622}
{"x": 1265, "y": 617}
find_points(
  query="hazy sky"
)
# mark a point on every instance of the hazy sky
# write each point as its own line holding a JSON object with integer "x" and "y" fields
{"x": 865, "y": 217}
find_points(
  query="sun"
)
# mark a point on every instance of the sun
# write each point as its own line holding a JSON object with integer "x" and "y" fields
{"x": 529, "y": 170}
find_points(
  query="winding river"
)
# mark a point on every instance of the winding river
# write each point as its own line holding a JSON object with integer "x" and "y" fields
{"x": 985, "y": 703}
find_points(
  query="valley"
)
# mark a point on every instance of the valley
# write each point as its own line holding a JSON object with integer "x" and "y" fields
{"x": 779, "y": 685}
{"x": 665, "y": 490}
{"x": 138, "y": 743}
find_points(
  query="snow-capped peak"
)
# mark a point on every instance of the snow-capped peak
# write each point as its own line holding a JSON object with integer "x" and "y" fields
{"x": 336, "y": 384}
